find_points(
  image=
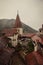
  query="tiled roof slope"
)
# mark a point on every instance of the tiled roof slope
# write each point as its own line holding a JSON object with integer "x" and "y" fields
{"x": 18, "y": 23}
{"x": 34, "y": 58}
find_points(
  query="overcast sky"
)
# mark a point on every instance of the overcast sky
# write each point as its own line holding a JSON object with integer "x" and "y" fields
{"x": 30, "y": 11}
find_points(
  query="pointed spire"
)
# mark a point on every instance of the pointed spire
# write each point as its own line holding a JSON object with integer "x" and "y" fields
{"x": 17, "y": 12}
{"x": 18, "y": 23}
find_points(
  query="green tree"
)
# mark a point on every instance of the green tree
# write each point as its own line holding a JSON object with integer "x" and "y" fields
{"x": 30, "y": 46}
{"x": 18, "y": 47}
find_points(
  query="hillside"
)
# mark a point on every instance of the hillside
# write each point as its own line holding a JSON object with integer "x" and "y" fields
{"x": 9, "y": 23}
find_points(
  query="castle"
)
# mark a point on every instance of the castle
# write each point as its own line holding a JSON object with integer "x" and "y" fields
{"x": 16, "y": 33}
{"x": 17, "y": 30}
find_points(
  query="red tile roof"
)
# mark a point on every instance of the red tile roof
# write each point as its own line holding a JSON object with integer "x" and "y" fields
{"x": 39, "y": 58}
{"x": 9, "y": 32}
{"x": 18, "y": 23}
{"x": 37, "y": 38}
{"x": 28, "y": 34}
{"x": 34, "y": 58}
{"x": 6, "y": 55}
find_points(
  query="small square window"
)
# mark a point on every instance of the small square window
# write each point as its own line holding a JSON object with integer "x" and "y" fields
{"x": 14, "y": 39}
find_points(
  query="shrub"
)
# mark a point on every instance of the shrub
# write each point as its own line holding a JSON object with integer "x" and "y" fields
{"x": 30, "y": 46}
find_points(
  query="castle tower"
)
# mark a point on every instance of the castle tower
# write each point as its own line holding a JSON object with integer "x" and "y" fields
{"x": 18, "y": 25}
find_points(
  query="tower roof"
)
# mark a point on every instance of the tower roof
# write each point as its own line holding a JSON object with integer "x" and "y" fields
{"x": 18, "y": 23}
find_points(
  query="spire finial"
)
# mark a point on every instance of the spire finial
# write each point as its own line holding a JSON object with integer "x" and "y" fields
{"x": 17, "y": 12}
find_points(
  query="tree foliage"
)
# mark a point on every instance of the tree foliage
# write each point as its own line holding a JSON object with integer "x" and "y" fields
{"x": 30, "y": 46}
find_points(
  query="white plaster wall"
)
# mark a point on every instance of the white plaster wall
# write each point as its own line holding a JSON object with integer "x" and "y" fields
{"x": 20, "y": 30}
{"x": 14, "y": 40}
